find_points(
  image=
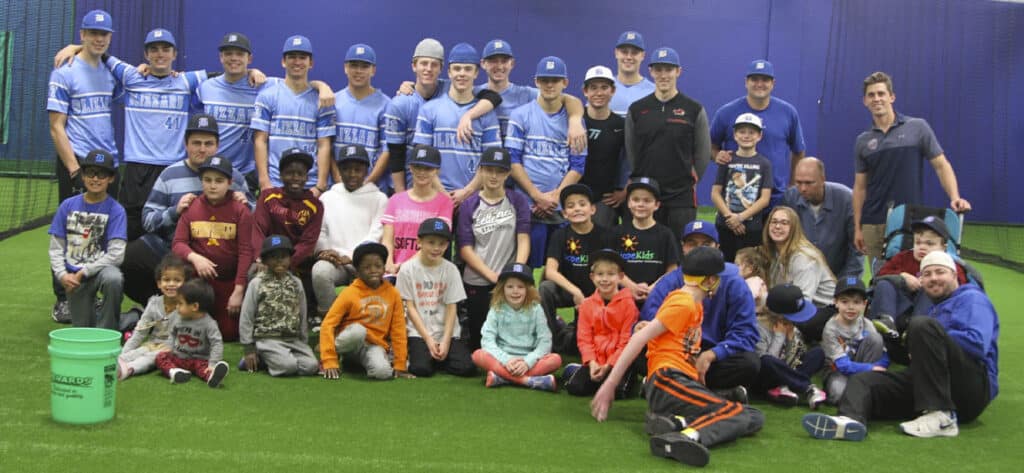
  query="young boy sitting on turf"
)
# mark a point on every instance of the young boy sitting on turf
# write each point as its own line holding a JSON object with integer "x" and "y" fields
{"x": 684, "y": 417}
{"x": 605, "y": 323}
{"x": 366, "y": 321}
{"x": 649, "y": 249}
{"x": 567, "y": 269}
{"x": 196, "y": 344}
{"x": 786, "y": 362}
{"x": 152, "y": 334}
{"x": 273, "y": 329}
{"x": 742, "y": 189}
{"x": 851, "y": 343}
{"x": 215, "y": 235}
{"x": 87, "y": 241}
{"x": 431, "y": 287}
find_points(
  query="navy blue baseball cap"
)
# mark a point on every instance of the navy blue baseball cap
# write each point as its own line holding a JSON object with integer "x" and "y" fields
{"x": 702, "y": 227}
{"x": 295, "y": 154}
{"x": 436, "y": 227}
{"x": 98, "y": 20}
{"x": 498, "y": 47}
{"x": 631, "y": 38}
{"x": 353, "y": 153}
{"x": 703, "y": 261}
{"x": 463, "y": 53}
{"x": 496, "y": 157}
{"x": 788, "y": 301}
{"x": 362, "y": 53}
{"x": 644, "y": 183}
{"x": 99, "y": 158}
{"x": 761, "y": 67}
{"x": 219, "y": 164}
{"x": 297, "y": 44}
{"x": 235, "y": 40}
{"x": 551, "y": 66}
{"x": 369, "y": 248}
{"x": 160, "y": 35}
{"x": 573, "y": 189}
{"x": 665, "y": 55}
{"x": 202, "y": 123}
{"x": 850, "y": 284}
{"x": 426, "y": 156}
{"x": 274, "y": 243}
{"x": 517, "y": 270}
{"x": 606, "y": 254}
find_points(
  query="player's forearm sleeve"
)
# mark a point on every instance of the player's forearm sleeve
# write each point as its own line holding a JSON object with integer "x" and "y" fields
{"x": 396, "y": 158}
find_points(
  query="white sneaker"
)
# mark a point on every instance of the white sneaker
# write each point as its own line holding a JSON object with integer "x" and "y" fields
{"x": 827, "y": 427}
{"x": 179, "y": 375}
{"x": 932, "y": 424}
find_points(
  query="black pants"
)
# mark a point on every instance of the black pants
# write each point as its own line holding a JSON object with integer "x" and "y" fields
{"x": 139, "y": 269}
{"x": 776, "y": 372}
{"x": 476, "y": 305}
{"x": 671, "y": 392}
{"x": 740, "y": 369}
{"x": 580, "y": 384}
{"x": 458, "y": 362}
{"x": 730, "y": 242}
{"x": 813, "y": 327}
{"x": 136, "y": 185}
{"x": 940, "y": 377}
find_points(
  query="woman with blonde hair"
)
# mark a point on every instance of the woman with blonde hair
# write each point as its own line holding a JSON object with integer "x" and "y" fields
{"x": 792, "y": 258}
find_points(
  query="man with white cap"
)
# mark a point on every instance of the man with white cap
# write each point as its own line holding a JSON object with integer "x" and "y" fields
{"x": 783, "y": 138}
{"x": 953, "y": 373}
{"x": 630, "y": 85}
{"x": 667, "y": 138}
{"x": 359, "y": 118}
{"x": 607, "y": 168}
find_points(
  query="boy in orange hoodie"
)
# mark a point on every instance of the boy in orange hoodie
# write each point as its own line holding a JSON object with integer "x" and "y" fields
{"x": 606, "y": 320}
{"x": 366, "y": 321}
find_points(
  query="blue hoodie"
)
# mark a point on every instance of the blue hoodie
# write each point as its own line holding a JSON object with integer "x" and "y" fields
{"x": 730, "y": 317}
{"x": 971, "y": 321}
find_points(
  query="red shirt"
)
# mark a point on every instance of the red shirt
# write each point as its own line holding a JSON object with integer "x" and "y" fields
{"x": 222, "y": 233}
{"x": 904, "y": 262}
{"x": 298, "y": 219}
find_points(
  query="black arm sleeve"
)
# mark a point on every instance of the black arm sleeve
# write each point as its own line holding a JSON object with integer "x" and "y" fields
{"x": 211, "y": 75}
{"x": 396, "y": 157}
{"x": 489, "y": 95}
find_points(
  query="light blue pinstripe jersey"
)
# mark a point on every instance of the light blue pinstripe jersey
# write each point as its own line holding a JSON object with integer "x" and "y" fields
{"x": 513, "y": 97}
{"x": 400, "y": 115}
{"x": 361, "y": 122}
{"x": 625, "y": 95}
{"x": 85, "y": 94}
{"x": 437, "y": 126}
{"x": 291, "y": 120}
{"x": 155, "y": 113}
{"x": 539, "y": 141}
{"x": 231, "y": 103}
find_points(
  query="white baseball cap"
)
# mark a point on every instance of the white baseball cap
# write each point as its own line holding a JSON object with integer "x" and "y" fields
{"x": 599, "y": 72}
{"x": 749, "y": 119}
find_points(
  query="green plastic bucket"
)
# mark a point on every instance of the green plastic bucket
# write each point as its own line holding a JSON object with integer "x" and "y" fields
{"x": 83, "y": 374}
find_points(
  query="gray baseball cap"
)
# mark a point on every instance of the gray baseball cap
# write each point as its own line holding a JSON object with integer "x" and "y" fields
{"x": 429, "y": 47}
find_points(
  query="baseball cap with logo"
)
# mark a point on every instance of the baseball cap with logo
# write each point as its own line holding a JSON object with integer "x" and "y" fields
{"x": 788, "y": 301}
{"x": 932, "y": 223}
{"x": 295, "y": 154}
{"x": 235, "y": 40}
{"x": 599, "y": 72}
{"x": 496, "y": 157}
{"x": 362, "y": 53}
{"x": 702, "y": 227}
{"x": 275, "y": 243}
{"x": 99, "y": 158}
{"x": 631, "y": 38}
{"x": 353, "y": 153}
{"x": 519, "y": 271}
{"x": 575, "y": 189}
{"x": 219, "y": 164}
{"x": 551, "y": 66}
{"x": 202, "y": 123}
{"x": 749, "y": 119}
{"x": 463, "y": 53}
{"x": 429, "y": 47}
{"x": 497, "y": 47}
{"x": 297, "y": 44}
{"x": 426, "y": 156}
{"x": 644, "y": 183}
{"x": 160, "y": 35}
{"x": 436, "y": 227}
{"x": 98, "y": 20}
{"x": 850, "y": 284}
{"x": 665, "y": 55}
{"x": 761, "y": 67}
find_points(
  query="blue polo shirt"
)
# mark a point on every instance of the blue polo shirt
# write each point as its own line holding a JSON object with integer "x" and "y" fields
{"x": 831, "y": 230}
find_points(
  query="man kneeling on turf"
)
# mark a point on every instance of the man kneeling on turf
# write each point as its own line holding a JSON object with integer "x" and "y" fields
{"x": 684, "y": 417}
{"x": 953, "y": 374}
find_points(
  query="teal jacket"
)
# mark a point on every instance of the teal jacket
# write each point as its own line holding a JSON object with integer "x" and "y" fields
{"x": 510, "y": 333}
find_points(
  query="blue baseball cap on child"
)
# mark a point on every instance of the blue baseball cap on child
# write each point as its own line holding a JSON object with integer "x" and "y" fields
{"x": 274, "y": 243}
{"x": 760, "y": 67}
{"x": 98, "y": 20}
{"x": 160, "y": 35}
{"x": 497, "y": 47}
{"x": 704, "y": 228}
{"x": 463, "y": 53}
{"x": 665, "y": 55}
{"x": 361, "y": 52}
{"x": 297, "y": 44}
{"x": 551, "y": 66}
{"x": 631, "y": 38}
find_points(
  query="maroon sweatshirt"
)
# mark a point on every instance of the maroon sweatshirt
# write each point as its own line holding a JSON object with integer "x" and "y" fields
{"x": 222, "y": 233}
{"x": 297, "y": 219}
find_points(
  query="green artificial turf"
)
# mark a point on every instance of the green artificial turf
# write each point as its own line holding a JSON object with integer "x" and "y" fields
{"x": 444, "y": 424}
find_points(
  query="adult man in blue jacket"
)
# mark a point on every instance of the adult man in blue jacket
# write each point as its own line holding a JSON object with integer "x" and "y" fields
{"x": 727, "y": 362}
{"x": 953, "y": 374}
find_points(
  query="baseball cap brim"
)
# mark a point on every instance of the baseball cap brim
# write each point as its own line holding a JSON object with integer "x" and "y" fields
{"x": 804, "y": 314}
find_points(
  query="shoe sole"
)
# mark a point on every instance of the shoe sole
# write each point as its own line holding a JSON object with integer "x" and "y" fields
{"x": 785, "y": 401}
{"x": 680, "y": 448}
{"x": 181, "y": 377}
{"x": 824, "y": 427}
{"x": 220, "y": 370}
{"x": 952, "y": 432}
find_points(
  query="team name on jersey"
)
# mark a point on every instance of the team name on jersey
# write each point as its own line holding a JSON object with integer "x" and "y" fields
{"x": 231, "y": 114}
{"x": 293, "y": 127}
{"x": 90, "y": 105}
{"x": 156, "y": 101}
{"x": 351, "y": 135}
{"x": 449, "y": 140}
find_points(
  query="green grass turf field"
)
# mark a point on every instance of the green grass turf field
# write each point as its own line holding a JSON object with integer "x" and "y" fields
{"x": 444, "y": 424}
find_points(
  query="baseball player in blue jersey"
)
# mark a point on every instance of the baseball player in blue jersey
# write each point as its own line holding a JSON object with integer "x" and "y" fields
{"x": 542, "y": 163}
{"x": 288, "y": 115}
{"x": 438, "y": 121}
{"x": 359, "y": 114}
{"x": 630, "y": 85}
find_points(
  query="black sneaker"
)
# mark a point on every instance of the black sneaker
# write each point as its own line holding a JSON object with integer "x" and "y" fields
{"x": 657, "y": 424}
{"x": 734, "y": 394}
{"x": 680, "y": 448}
{"x": 61, "y": 314}
{"x": 220, "y": 370}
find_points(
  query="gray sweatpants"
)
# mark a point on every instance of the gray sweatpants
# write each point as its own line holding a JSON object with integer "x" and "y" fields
{"x": 82, "y": 301}
{"x": 142, "y": 359}
{"x": 870, "y": 351}
{"x": 670, "y": 392}
{"x": 352, "y": 342}
{"x": 287, "y": 357}
{"x": 326, "y": 277}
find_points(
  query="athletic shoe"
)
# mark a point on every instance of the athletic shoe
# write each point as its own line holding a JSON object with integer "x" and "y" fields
{"x": 493, "y": 380}
{"x": 680, "y": 448}
{"x": 827, "y": 427}
{"x": 179, "y": 375}
{"x": 314, "y": 323}
{"x": 886, "y": 327}
{"x": 570, "y": 370}
{"x": 932, "y": 424}
{"x": 783, "y": 395}
{"x": 220, "y": 370}
{"x": 815, "y": 397}
{"x": 241, "y": 364}
{"x": 542, "y": 383}
{"x": 734, "y": 394}
{"x": 123, "y": 370}
{"x": 657, "y": 424}
{"x": 61, "y": 314}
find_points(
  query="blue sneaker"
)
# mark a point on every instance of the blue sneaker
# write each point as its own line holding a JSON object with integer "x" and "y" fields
{"x": 570, "y": 371}
{"x": 542, "y": 383}
{"x": 826, "y": 427}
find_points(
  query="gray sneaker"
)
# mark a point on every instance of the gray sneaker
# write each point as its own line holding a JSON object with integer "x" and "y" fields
{"x": 60, "y": 313}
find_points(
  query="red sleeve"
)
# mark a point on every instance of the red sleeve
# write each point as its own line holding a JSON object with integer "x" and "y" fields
{"x": 903, "y": 262}
{"x": 244, "y": 237}
{"x": 310, "y": 233}
{"x": 183, "y": 235}
{"x": 961, "y": 274}
{"x": 585, "y": 331}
